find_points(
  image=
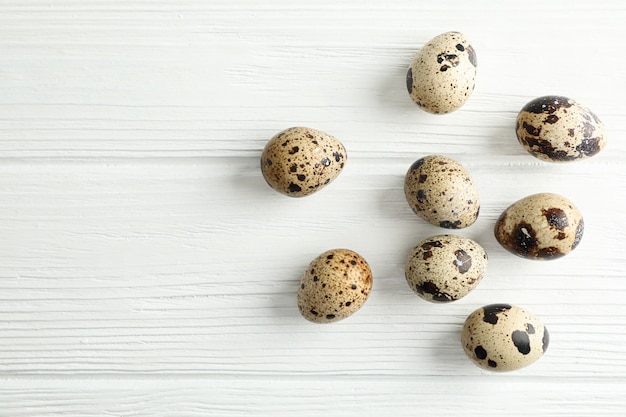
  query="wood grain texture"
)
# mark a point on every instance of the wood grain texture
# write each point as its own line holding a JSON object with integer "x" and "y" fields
{"x": 147, "y": 269}
{"x": 288, "y": 396}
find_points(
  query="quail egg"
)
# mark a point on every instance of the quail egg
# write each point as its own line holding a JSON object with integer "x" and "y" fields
{"x": 335, "y": 285}
{"x": 300, "y": 161}
{"x": 541, "y": 226}
{"x": 502, "y": 337}
{"x": 559, "y": 129}
{"x": 445, "y": 268}
{"x": 441, "y": 191}
{"x": 442, "y": 74}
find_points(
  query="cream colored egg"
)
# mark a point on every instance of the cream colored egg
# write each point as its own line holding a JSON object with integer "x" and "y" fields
{"x": 442, "y": 75}
{"x": 300, "y": 161}
{"x": 445, "y": 268}
{"x": 502, "y": 337}
{"x": 335, "y": 285}
{"x": 559, "y": 129}
{"x": 541, "y": 226}
{"x": 441, "y": 191}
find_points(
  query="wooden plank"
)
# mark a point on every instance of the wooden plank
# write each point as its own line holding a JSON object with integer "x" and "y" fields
{"x": 238, "y": 396}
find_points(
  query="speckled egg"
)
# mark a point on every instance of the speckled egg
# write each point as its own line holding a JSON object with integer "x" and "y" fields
{"x": 541, "y": 226}
{"x": 445, "y": 268}
{"x": 442, "y": 75}
{"x": 441, "y": 191}
{"x": 335, "y": 285}
{"x": 559, "y": 129}
{"x": 300, "y": 161}
{"x": 502, "y": 337}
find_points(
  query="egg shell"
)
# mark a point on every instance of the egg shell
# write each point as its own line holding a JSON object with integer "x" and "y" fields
{"x": 441, "y": 191}
{"x": 559, "y": 129}
{"x": 442, "y": 75}
{"x": 502, "y": 337}
{"x": 445, "y": 268}
{"x": 541, "y": 226}
{"x": 335, "y": 285}
{"x": 300, "y": 161}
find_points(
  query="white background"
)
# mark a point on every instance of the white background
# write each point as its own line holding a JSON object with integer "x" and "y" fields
{"x": 146, "y": 269}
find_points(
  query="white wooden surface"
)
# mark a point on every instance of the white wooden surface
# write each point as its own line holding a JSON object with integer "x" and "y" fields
{"x": 147, "y": 270}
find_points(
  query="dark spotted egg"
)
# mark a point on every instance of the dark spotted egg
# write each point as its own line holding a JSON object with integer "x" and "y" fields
{"x": 445, "y": 268}
{"x": 442, "y": 74}
{"x": 502, "y": 337}
{"x": 441, "y": 191}
{"x": 559, "y": 129}
{"x": 541, "y": 226}
{"x": 335, "y": 285}
{"x": 300, "y": 161}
